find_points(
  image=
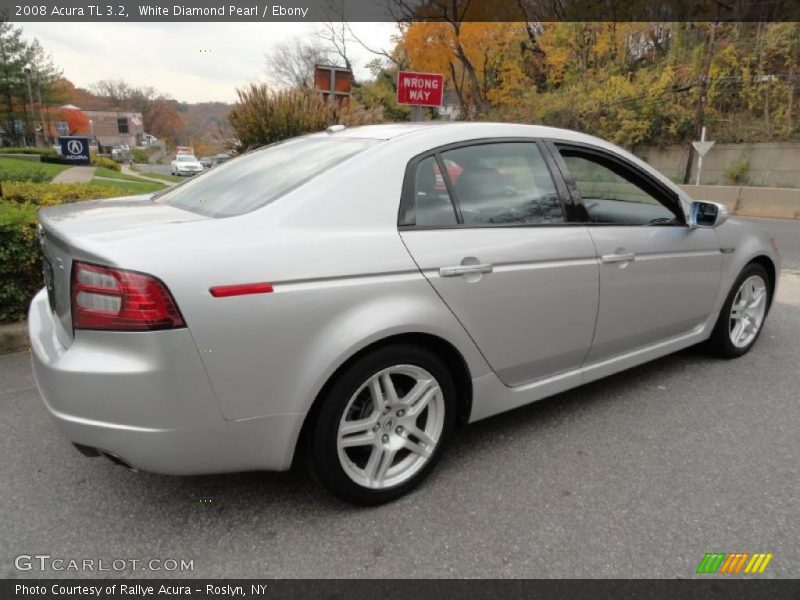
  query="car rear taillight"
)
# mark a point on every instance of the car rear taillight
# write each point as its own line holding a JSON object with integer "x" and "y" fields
{"x": 120, "y": 300}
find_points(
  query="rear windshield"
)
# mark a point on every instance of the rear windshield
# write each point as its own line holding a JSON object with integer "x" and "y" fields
{"x": 252, "y": 180}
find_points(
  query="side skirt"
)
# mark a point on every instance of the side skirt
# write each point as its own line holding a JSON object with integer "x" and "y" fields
{"x": 492, "y": 397}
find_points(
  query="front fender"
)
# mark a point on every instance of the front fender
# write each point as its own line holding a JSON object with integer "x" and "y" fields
{"x": 742, "y": 242}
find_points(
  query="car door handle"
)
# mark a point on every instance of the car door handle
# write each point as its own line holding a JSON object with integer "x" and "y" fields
{"x": 616, "y": 258}
{"x": 465, "y": 270}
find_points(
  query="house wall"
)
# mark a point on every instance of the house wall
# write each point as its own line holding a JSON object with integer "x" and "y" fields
{"x": 105, "y": 124}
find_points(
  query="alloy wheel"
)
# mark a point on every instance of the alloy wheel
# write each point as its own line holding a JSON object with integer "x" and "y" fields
{"x": 747, "y": 311}
{"x": 391, "y": 426}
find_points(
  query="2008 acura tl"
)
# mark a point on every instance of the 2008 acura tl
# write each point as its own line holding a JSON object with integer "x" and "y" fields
{"x": 350, "y": 296}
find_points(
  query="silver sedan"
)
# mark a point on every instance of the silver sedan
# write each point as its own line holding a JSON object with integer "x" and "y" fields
{"x": 346, "y": 299}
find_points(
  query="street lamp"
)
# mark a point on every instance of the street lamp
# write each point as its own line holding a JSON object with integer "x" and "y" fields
{"x": 27, "y": 70}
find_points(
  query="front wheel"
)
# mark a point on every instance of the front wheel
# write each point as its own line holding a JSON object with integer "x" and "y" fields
{"x": 742, "y": 316}
{"x": 383, "y": 424}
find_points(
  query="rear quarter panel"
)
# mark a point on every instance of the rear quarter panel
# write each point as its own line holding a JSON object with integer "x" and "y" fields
{"x": 342, "y": 280}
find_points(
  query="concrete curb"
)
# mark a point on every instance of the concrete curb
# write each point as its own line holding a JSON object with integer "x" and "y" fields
{"x": 13, "y": 337}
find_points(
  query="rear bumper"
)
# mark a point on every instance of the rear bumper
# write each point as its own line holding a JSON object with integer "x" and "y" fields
{"x": 145, "y": 397}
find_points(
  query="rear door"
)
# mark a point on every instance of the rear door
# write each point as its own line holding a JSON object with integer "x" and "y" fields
{"x": 658, "y": 277}
{"x": 487, "y": 225}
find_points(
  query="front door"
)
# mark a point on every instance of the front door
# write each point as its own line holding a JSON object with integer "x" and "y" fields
{"x": 658, "y": 277}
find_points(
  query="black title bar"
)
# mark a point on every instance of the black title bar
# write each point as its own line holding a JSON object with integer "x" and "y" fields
{"x": 400, "y": 10}
{"x": 711, "y": 588}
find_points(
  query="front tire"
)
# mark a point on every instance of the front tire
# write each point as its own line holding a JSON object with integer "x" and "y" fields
{"x": 742, "y": 316}
{"x": 383, "y": 424}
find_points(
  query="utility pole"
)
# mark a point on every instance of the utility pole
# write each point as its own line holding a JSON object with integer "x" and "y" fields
{"x": 45, "y": 125}
{"x": 27, "y": 70}
{"x": 700, "y": 110}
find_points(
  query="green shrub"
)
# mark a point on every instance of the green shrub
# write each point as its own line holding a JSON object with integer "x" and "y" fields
{"x": 20, "y": 260}
{"x": 264, "y": 116}
{"x": 140, "y": 156}
{"x": 106, "y": 162}
{"x": 737, "y": 172}
{"x": 48, "y": 194}
{"x": 39, "y": 151}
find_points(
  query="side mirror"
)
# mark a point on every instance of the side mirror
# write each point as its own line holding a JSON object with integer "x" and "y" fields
{"x": 707, "y": 214}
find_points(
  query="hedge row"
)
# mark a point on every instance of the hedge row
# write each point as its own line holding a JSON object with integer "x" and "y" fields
{"x": 49, "y": 194}
{"x": 101, "y": 161}
{"x": 39, "y": 151}
{"x": 20, "y": 257}
{"x": 20, "y": 260}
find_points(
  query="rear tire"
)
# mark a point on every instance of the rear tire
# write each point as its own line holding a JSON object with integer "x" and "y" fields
{"x": 383, "y": 424}
{"x": 742, "y": 317}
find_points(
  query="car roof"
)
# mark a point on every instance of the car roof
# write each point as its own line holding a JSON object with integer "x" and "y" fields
{"x": 464, "y": 129}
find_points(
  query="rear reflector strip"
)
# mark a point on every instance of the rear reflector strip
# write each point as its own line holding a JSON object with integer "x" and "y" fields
{"x": 242, "y": 289}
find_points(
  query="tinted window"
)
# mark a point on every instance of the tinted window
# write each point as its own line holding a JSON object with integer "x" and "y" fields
{"x": 432, "y": 202}
{"x": 610, "y": 197}
{"x": 506, "y": 183}
{"x": 257, "y": 178}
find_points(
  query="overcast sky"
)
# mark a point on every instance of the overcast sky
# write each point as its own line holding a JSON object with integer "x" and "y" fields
{"x": 193, "y": 62}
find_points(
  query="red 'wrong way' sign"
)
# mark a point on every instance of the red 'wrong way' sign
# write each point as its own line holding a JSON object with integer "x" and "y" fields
{"x": 419, "y": 89}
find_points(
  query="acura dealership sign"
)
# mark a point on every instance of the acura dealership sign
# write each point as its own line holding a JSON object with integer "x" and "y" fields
{"x": 75, "y": 150}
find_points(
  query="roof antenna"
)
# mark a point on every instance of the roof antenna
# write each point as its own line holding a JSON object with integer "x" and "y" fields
{"x": 334, "y": 129}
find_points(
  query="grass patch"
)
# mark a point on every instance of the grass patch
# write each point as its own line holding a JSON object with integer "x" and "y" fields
{"x": 12, "y": 169}
{"x": 111, "y": 174}
{"x": 172, "y": 178}
{"x": 131, "y": 187}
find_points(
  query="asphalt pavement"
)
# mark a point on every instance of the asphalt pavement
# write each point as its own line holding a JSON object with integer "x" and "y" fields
{"x": 637, "y": 475}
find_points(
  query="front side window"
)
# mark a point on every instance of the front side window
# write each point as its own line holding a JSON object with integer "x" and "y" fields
{"x": 252, "y": 180}
{"x": 610, "y": 197}
{"x": 503, "y": 184}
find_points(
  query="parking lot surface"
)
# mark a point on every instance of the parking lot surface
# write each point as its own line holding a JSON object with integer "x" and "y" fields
{"x": 636, "y": 475}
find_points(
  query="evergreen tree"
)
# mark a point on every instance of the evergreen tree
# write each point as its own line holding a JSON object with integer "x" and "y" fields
{"x": 15, "y": 55}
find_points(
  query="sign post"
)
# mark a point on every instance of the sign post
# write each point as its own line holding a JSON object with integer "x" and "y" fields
{"x": 702, "y": 147}
{"x": 75, "y": 150}
{"x": 419, "y": 90}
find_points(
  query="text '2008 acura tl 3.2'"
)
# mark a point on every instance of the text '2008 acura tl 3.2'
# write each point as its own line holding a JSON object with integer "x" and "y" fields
{"x": 349, "y": 297}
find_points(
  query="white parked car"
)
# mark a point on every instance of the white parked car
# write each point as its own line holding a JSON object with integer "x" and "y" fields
{"x": 186, "y": 164}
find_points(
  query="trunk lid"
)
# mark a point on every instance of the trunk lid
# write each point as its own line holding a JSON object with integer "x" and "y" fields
{"x": 79, "y": 231}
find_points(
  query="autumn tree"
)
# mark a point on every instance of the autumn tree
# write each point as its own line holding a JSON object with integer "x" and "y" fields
{"x": 483, "y": 62}
{"x": 77, "y": 121}
{"x": 162, "y": 120}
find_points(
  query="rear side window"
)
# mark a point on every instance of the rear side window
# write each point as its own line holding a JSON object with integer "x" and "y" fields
{"x": 503, "y": 183}
{"x": 432, "y": 202}
{"x": 257, "y": 178}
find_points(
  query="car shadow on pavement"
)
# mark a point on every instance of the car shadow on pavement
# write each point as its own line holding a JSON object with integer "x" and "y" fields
{"x": 254, "y": 490}
{"x": 242, "y": 494}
